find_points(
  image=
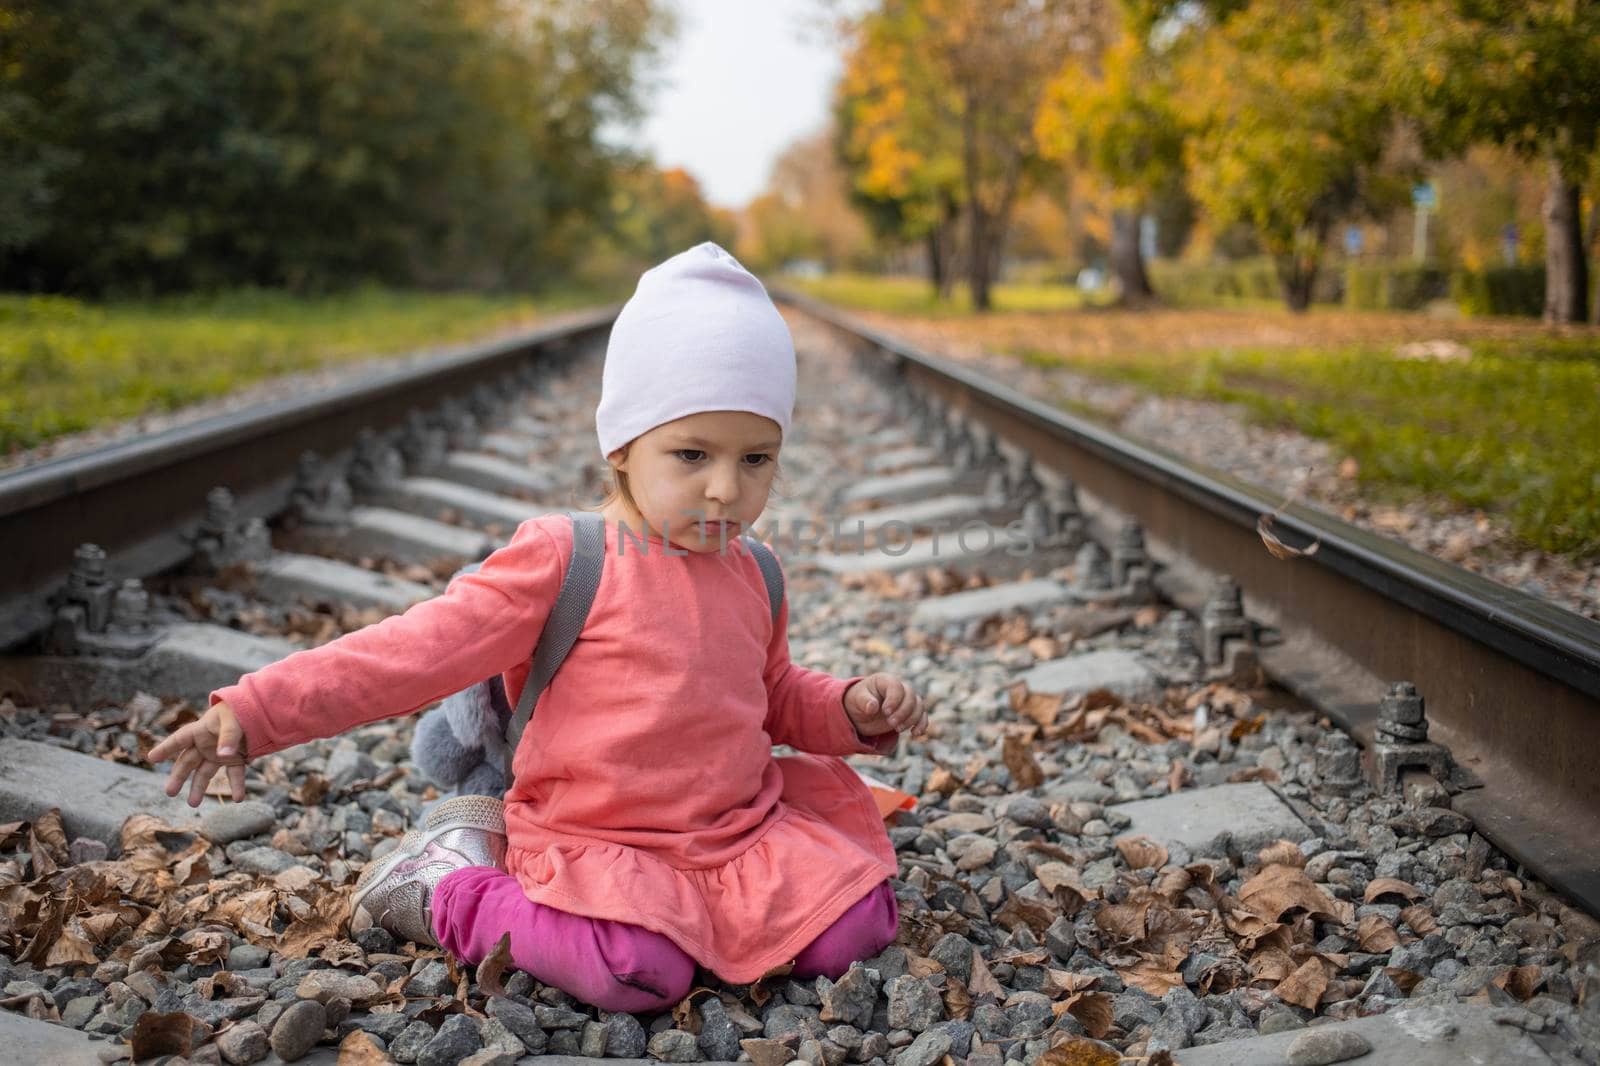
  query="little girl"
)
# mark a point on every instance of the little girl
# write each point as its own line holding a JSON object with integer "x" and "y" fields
{"x": 648, "y": 826}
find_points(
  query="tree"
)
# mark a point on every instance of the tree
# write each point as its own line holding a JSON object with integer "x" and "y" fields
{"x": 893, "y": 137}
{"x": 806, "y": 211}
{"x": 175, "y": 144}
{"x": 1109, "y": 109}
{"x": 1287, "y": 122}
{"x": 1520, "y": 73}
{"x": 952, "y": 90}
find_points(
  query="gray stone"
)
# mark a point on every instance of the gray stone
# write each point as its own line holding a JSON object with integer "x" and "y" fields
{"x": 851, "y": 998}
{"x": 247, "y": 957}
{"x": 974, "y": 604}
{"x": 625, "y": 1037}
{"x": 785, "y": 1020}
{"x": 264, "y": 861}
{"x": 1455, "y": 1035}
{"x": 1119, "y": 672}
{"x": 27, "y": 1040}
{"x": 519, "y": 1019}
{"x": 553, "y": 1017}
{"x": 1321, "y": 1046}
{"x": 79, "y": 1010}
{"x": 1280, "y": 1021}
{"x": 914, "y": 1004}
{"x": 925, "y": 1050}
{"x": 288, "y": 576}
{"x": 432, "y": 980}
{"x": 954, "y": 952}
{"x": 457, "y": 1038}
{"x": 497, "y": 1037}
{"x": 323, "y": 985}
{"x": 408, "y": 1045}
{"x": 592, "y": 1040}
{"x": 349, "y": 765}
{"x": 407, "y": 538}
{"x": 960, "y": 1033}
{"x": 384, "y": 1026}
{"x": 1030, "y": 1014}
{"x": 432, "y": 497}
{"x": 298, "y": 1029}
{"x": 487, "y": 1057}
{"x": 1251, "y": 812}
{"x": 719, "y": 1037}
{"x": 244, "y": 1043}
{"x": 674, "y": 1045}
{"x": 87, "y": 849}
{"x": 94, "y": 796}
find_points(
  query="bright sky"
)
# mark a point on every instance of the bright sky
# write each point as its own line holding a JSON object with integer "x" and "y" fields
{"x": 742, "y": 80}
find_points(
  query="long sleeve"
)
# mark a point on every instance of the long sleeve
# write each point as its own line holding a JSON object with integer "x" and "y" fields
{"x": 805, "y": 708}
{"x": 485, "y": 623}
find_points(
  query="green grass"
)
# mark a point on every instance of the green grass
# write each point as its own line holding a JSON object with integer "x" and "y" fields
{"x": 1516, "y": 429}
{"x": 914, "y": 296}
{"x": 67, "y": 365}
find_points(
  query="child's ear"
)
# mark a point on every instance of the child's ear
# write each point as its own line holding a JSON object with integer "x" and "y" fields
{"x": 619, "y": 459}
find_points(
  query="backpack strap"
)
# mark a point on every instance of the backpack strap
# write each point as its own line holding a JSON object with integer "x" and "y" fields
{"x": 771, "y": 573}
{"x": 564, "y": 623}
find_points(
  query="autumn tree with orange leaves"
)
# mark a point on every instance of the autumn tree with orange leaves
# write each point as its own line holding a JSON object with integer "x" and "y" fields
{"x": 938, "y": 107}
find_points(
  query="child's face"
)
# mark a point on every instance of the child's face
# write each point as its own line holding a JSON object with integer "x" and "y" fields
{"x": 690, "y": 473}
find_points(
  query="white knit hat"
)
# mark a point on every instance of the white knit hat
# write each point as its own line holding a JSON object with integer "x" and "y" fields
{"x": 698, "y": 334}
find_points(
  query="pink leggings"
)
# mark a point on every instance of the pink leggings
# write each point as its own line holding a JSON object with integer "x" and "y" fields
{"x": 614, "y": 965}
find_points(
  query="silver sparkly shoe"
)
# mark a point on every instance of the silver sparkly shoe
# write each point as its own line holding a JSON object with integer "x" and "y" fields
{"x": 394, "y": 893}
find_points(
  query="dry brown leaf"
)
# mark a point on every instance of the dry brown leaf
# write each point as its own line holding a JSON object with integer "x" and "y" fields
{"x": 1079, "y": 1051}
{"x": 1271, "y": 964}
{"x": 922, "y": 965}
{"x": 359, "y": 1049}
{"x": 1092, "y": 1009}
{"x": 1254, "y": 773}
{"x": 163, "y": 1034}
{"x": 1304, "y": 987}
{"x": 72, "y": 946}
{"x": 943, "y": 782}
{"x": 1157, "y": 976}
{"x": 1277, "y": 548}
{"x": 1405, "y": 980}
{"x": 1282, "y": 853}
{"x": 1142, "y": 853}
{"x": 1018, "y": 911}
{"x": 1379, "y": 887}
{"x": 982, "y": 982}
{"x": 1177, "y": 776}
{"x": 1376, "y": 935}
{"x": 1042, "y": 707}
{"x": 325, "y": 919}
{"x": 1420, "y": 919}
{"x": 1246, "y": 726}
{"x": 491, "y": 971}
{"x": 1276, "y": 890}
{"x": 1018, "y": 757}
{"x": 1521, "y": 981}
{"x": 957, "y": 1000}
{"x": 1124, "y": 921}
{"x": 685, "y": 1016}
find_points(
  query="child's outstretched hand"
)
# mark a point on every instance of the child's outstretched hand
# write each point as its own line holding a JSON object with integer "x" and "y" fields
{"x": 881, "y": 703}
{"x": 200, "y": 749}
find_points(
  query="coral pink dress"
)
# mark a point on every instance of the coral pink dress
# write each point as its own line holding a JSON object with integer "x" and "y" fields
{"x": 646, "y": 789}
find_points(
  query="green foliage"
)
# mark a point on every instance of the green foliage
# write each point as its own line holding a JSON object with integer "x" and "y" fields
{"x": 1516, "y": 290}
{"x": 165, "y": 145}
{"x": 1288, "y": 124}
{"x": 66, "y": 365}
{"x": 1247, "y": 282}
{"x": 1514, "y": 429}
{"x": 1393, "y": 286}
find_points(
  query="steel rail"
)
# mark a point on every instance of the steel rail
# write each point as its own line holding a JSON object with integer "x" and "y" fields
{"x": 1512, "y": 682}
{"x": 136, "y": 498}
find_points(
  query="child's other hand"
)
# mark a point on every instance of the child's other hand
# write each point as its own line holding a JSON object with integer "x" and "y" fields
{"x": 200, "y": 749}
{"x": 880, "y": 703}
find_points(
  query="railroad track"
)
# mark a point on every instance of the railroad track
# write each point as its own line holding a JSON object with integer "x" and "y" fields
{"x": 1152, "y": 576}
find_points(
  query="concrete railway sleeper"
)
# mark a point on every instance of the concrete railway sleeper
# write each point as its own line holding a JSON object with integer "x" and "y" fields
{"x": 1125, "y": 834}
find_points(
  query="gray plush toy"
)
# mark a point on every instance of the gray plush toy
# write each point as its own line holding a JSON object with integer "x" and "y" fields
{"x": 461, "y": 744}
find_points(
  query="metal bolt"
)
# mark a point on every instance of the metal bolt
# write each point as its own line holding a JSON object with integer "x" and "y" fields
{"x": 1402, "y": 716}
{"x": 1128, "y": 552}
{"x": 1338, "y": 763}
{"x": 1037, "y": 522}
{"x": 1091, "y": 570}
{"x": 1223, "y": 618}
{"x": 219, "y": 511}
{"x": 1027, "y": 486}
{"x": 997, "y": 490}
{"x": 130, "y": 608}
